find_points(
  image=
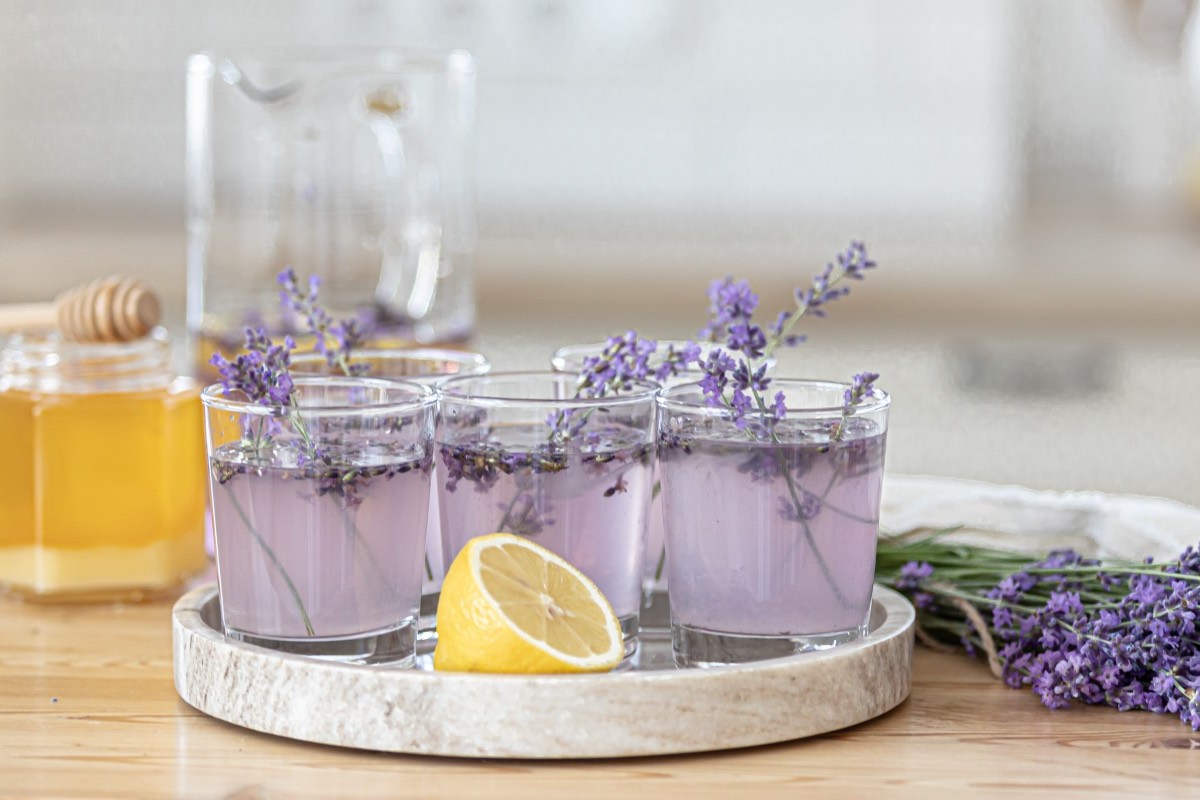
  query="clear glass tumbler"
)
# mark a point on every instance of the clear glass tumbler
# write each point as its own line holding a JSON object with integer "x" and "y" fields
{"x": 319, "y": 515}
{"x": 519, "y": 453}
{"x": 355, "y": 165}
{"x": 428, "y": 366}
{"x": 771, "y": 529}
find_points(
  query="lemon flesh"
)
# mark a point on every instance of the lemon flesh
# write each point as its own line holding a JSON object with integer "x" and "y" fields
{"x": 509, "y": 605}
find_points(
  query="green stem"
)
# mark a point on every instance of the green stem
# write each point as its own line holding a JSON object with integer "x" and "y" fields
{"x": 662, "y": 562}
{"x": 308, "y": 627}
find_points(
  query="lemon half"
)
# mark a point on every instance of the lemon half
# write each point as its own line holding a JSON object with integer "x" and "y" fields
{"x": 509, "y": 605}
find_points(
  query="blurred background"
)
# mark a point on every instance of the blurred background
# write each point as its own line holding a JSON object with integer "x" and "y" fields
{"x": 1027, "y": 174}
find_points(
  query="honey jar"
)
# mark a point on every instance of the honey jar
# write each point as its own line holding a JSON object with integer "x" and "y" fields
{"x": 102, "y": 483}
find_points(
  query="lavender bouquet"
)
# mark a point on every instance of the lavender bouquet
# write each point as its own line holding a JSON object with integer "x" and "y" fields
{"x": 1121, "y": 634}
{"x": 320, "y": 486}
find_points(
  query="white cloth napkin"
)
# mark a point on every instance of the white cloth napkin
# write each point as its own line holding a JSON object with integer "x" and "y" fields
{"x": 1027, "y": 520}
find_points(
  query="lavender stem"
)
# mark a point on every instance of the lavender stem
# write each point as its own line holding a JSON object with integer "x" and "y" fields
{"x": 308, "y": 627}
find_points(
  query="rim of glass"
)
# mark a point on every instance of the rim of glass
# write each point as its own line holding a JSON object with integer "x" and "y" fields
{"x": 452, "y": 390}
{"x": 559, "y": 361}
{"x": 466, "y": 357}
{"x": 668, "y": 399}
{"x": 217, "y": 396}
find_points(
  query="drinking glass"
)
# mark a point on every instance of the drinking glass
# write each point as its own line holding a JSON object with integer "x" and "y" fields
{"x": 771, "y": 527}
{"x": 319, "y": 515}
{"x": 520, "y": 453}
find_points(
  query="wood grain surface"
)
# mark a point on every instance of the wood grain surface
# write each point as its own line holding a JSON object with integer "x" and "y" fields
{"x": 88, "y": 709}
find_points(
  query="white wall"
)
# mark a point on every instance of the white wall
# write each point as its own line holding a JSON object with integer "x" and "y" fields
{"x": 685, "y": 135}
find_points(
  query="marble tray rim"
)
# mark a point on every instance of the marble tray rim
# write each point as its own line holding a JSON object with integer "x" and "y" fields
{"x": 191, "y": 634}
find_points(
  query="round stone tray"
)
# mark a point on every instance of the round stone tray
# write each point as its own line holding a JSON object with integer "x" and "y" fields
{"x": 652, "y": 708}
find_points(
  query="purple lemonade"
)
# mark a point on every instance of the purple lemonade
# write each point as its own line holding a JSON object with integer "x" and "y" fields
{"x": 319, "y": 515}
{"x": 334, "y": 557}
{"x": 771, "y": 531}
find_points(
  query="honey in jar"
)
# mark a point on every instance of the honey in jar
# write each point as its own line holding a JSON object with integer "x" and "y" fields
{"x": 101, "y": 469}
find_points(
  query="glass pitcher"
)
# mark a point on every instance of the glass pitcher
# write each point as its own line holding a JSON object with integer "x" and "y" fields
{"x": 352, "y": 165}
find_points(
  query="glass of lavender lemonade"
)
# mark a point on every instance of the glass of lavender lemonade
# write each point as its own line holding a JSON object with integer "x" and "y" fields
{"x": 522, "y": 453}
{"x": 771, "y": 521}
{"x": 430, "y": 366}
{"x": 570, "y": 359}
{"x": 319, "y": 513}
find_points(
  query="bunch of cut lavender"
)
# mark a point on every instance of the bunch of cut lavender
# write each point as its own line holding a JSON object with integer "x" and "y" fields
{"x": 1121, "y": 634}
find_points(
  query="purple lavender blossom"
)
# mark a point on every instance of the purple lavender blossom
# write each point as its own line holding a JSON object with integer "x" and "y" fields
{"x": 626, "y": 359}
{"x": 731, "y": 308}
{"x": 334, "y": 339}
{"x": 852, "y": 263}
{"x": 1123, "y": 636}
{"x": 913, "y": 573}
{"x": 862, "y": 386}
{"x": 260, "y": 373}
{"x": 730, "y": 303}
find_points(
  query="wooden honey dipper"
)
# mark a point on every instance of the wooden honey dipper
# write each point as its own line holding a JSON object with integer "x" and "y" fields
{"x": 114, "y": 309}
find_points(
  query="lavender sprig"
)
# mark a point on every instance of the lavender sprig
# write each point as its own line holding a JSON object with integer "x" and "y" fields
{"x": 262, "y": 375}
{"x": 624, "y": 360}
{"x": 1121, "y": 634}
{"x": 862, "y": 388}
{"x": 334, "y": 339}
{"x": 261, "y": 372}
{"x": 732, "y": 307}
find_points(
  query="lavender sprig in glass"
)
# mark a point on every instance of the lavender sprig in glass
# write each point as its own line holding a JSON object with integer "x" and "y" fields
{"x": 334, "y": 339}
{"x": 261, "y": 375}
{"x": 739, "y": 382}
{"x": 735, "y": 378}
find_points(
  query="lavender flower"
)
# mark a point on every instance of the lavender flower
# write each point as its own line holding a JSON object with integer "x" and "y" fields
{"x": 730, "y": 303}
{"x": 626, "y": 359}
{"x": 261, "y": 372}
{"x": 912, "y": 573}
{"x": 334, "y": 339}
{"x": 730, "y": 380}
{"x": 852, "y": 263}
{"x": 1071, "y": 629}
{"x": 734, "y": 374}
{"x": 862, "y": 387}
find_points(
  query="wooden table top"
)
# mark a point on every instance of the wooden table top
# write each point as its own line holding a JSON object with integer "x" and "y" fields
{"x": 88, "y": 709}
